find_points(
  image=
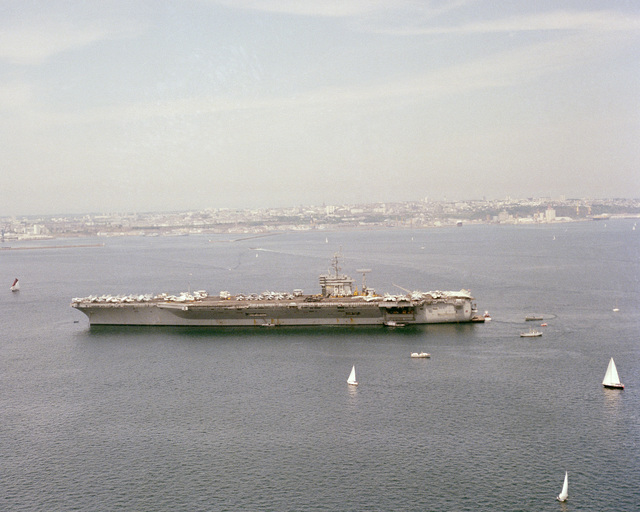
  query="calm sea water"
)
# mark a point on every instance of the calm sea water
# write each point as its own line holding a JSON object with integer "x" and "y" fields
{"x": 160, "y": 419}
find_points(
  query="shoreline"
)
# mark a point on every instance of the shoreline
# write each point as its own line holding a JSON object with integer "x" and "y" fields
{"x": 73, "y": 246}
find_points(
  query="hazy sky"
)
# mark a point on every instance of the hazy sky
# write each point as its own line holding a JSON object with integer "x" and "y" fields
{"x": 140, "y": 105}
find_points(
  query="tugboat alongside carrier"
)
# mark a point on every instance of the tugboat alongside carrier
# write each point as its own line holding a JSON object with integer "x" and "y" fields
{"x": 339, "y": 303}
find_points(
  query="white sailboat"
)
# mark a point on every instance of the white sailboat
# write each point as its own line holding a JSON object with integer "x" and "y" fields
{"x": 15, "y": 286}
{"x": 564, "y": 494}
{"x": 611, "y": 379}
{"x": 352, "y": 377}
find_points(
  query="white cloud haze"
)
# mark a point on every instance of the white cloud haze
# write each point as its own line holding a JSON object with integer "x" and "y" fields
{"x": 150, "y": 106}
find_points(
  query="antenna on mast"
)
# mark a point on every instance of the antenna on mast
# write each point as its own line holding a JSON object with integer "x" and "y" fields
{"x": 364, "y": 278}
{"x": 403, "y": 289}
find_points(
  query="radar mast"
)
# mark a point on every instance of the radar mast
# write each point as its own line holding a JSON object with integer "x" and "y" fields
{"x": 364, "y": 278}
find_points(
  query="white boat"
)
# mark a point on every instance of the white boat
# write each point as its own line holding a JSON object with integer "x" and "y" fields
{"x": 611, "y": 379}
{"x": 420, "y": 355}
{"x": 533, "y": 333}
{"x": 15, "y": 286}
{"x": 564, "y": 494}
{"x": 486, "y": 316}
{"x": 352, "y": 377}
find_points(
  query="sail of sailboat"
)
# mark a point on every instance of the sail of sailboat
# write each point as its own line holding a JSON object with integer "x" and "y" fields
{"x": 611, "y": 378}
{"x": 564, "y": 494}
{"x": 352, "y": 377}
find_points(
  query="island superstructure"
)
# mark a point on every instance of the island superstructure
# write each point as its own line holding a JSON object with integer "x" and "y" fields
{"x": 338, "y": 303}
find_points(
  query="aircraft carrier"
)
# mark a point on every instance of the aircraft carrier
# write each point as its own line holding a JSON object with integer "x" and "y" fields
{"x": 339, "y": 303}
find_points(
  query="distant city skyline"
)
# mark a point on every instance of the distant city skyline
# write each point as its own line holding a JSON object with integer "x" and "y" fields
{"x": 267, "y": 221}
{"x": 157, "y": 106}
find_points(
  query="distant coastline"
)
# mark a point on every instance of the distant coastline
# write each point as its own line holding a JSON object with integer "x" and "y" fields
{"x": 31, "y": 247}
{"x": 326, "y": 218}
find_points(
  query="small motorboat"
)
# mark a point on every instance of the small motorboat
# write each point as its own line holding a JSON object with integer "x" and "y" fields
{"x": 532, "y": 318}
{"x": 533, "y": 333}
{"x": 487, "y": 316}
{"x": 420, "y": 355}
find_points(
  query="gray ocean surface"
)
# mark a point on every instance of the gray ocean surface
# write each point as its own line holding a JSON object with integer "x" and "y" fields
{"x": 201, "y": 419}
